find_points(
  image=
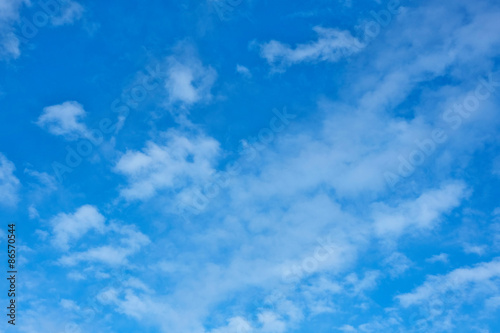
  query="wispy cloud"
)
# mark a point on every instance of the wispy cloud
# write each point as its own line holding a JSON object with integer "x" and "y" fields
{"x": 421, "y": 213}
{"x": 15, "y": 30}
{"x": 463, "y": 282}
{"x": 70, "y": 12}
{"x": 331, "y": 46}
{"x": 9, "y": 14}
{"x": 9, "y": 183}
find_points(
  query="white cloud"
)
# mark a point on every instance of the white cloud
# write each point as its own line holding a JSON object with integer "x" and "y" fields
{"x": 243, "y": 71}
{"x": 47, "y": 182}
{"x": 9, "y": 184}
{"x": 138, "y": 285}
{"x": 368, "y": 282}
{"x": 33, "y": 212}
{"x": 76, "y": 276}
{"x": 271, "y": 322}
{"x": 156, "y": 310}
{"x": 176, "y": 160}
{"x": 69, "y": 305}
{"x": 69, "y": 228}
{"x": 9, "y": 9}
{"x": 64, "y": 119}
{"x": 61, "y": 12}
{"x": 188, "y": 81}
{"x": 70, "y": 12}
{"x": 332, "y": 45}
{"x": 129, "y": 242}
{"x": 461, "y": 282}
{"x": 397, "y": 263}
{"x": 9, "y": 14}
{"x": 122, "y": 241}
{"x": 347, "y": 328}
{"x": 474, "y": 249}
{"x": 235, "y": 325}
{"x": 442, "y": 257}
{"x": 267, "y": 322}
{"x": 421, "y": 213}
{"x": 493, "y": 302}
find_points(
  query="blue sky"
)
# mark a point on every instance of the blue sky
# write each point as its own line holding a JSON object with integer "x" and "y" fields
{"x": 238, "y": 166}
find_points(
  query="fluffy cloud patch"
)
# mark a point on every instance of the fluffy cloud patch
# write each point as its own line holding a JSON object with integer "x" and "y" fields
{"x": 177, "y": 159}
{"x": 188, "y": 81}
{"x": 64, "y": 119}
{"x": 121, "y": 240}
{"x": 130, "y": 241}
{"x": 68, "y": 228}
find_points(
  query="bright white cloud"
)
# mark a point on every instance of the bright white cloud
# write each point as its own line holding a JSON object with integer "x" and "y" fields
{"x": 176, "y": 160}
{"x": 421, "y": 213}
{"x": 9, "y": 184}
{"x": 188, "y": 81}
{"x": 122, "y": 241}
{"x": 69, "y": 228}
{"x": 332, "y": 45}
{"x": 64, "y": 119}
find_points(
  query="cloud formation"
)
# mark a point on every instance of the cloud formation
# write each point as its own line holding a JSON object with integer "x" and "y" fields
{"x": 177, "y": 159}
{"x": 15, "y": 29}
{"x": 64, "y": 119}
{"x": 188, "y": 81}
{"x": 331, "y": 46}
{"x": 69, "y": 228}
{"x": 9, "y": 14}
{"x": 9, "y": 183}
